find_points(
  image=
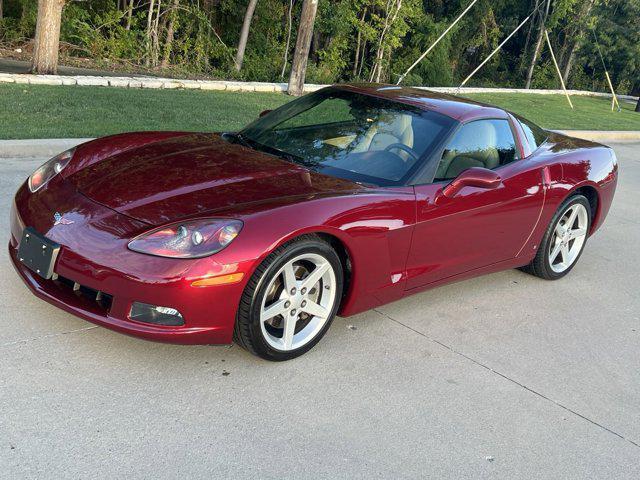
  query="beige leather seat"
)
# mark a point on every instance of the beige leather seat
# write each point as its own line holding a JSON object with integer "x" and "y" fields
{"x": 385, "y": 132}
{"x": 475, "y": 145}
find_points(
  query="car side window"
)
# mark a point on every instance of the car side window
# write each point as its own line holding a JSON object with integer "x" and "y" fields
{"x": 536, "y": 136}
{"x": 481, "y": 143}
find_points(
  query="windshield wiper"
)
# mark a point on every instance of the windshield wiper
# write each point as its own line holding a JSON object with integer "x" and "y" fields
{"x": 237, "y": 138}
{"x": 247, "y": 142}
{"x": 289, "y": 157}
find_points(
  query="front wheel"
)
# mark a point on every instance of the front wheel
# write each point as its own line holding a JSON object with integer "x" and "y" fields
{"x": 291, "y": 300}
{"x": 564, "y": 240}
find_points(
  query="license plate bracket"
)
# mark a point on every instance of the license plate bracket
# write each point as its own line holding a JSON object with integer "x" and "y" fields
{"x": 38, "y": 253}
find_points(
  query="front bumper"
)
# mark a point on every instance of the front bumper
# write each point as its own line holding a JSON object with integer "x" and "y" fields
{"x": 94, "y": 255}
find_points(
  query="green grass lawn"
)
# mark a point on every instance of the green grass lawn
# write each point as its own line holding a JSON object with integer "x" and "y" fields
{"x": 553, "y": 111}
{"x": 41, "y": 111}
{"x": 38, "y": 111}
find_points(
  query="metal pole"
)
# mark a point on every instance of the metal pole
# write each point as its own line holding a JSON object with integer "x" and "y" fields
{"x": 553, "y": 57}
{"x": 436, "y": 42}
{"x": 495, "y": 51}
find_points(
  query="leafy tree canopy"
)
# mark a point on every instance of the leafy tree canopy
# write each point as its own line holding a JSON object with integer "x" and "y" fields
{"x": 353, "y": 39}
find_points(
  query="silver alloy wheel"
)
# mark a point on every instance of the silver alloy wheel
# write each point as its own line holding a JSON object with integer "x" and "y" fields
{"x": 298, "y": 302}
{"x": 568, "y": 237}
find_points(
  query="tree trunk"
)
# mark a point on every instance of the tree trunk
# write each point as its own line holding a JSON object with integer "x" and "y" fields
{"x": 244, "y": 33}
{"x": 638, "y": 105}
{"x": 169, "y": 40}
{"x": 567, "y": 66}
{"x": 129, "y": 15}
{"x": 47, "y": 39}
{"x": 315, "y": 45}
{"x": 584, "y": 15}
{"x": 303, "y": 43}
{"x": 286, "y": 47}
{"x": 389, "y": 20}
{"x": 536, "y": 51}
{"x": 0, "y": 9}
{"x": 363, "y": 51}
{"x": 147, "y": 60}
{"x": 357, "y": 57}
{"x": 528, "y": 39}
{"x": 155, "y": 37}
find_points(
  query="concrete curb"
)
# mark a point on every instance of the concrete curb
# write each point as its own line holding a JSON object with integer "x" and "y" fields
{"x": 45, "y": 148}
{"x": 233, "y": 86}
{"x": 604, "y": 135}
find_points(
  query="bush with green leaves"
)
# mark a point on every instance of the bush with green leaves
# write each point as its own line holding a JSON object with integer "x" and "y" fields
{"x": 352, "y": 39}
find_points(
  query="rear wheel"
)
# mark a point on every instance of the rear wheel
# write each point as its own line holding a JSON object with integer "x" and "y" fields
{"x": 291, "y": 300}
{"x": 564, "y": 240}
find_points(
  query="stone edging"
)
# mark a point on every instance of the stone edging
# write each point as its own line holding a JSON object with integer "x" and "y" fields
{"x": 232, "y": 86}
{"x": 146, "y": 82}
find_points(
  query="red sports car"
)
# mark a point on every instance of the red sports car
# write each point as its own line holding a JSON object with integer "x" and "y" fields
{"x": 335, "y": 203}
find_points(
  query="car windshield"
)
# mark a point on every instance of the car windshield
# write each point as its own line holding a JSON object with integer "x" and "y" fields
{"x": 349, "y": 135}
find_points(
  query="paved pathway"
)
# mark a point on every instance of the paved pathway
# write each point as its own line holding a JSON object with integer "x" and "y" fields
{"x": 505, "y": 376}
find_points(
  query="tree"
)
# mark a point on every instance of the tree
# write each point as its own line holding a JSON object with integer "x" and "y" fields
{"x": 47, "y": 38}
{"x": 390, "y": 14}
{"x": 575, "y": 34}
{"x": 170, "y": 31}
{"x": 148, "y": 34}
{"x": 638, "y": 105}
{"x": 356, "y": 59}
{"x": 129, "y": 15}
{"x": 351, "y": 39}
{"x": 244, "y": 33}
{"x": 536, "y": 51}
{"x": 303, "y": 44}
{"x": 288, "y": 42}
{"x": 152, "y": 35}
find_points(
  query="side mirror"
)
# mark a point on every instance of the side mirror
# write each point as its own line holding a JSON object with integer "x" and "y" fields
{"x": 472, "y": 177}
{"x": 264, "y": 112}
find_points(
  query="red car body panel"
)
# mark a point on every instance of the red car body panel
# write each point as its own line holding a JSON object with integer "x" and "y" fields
{"x": 398, "y": 240}
{"x": 157, "y": 183}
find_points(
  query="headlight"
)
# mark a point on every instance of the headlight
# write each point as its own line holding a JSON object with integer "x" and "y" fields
{"x": 191, "y": 239}
{"x": 49, "y": 170}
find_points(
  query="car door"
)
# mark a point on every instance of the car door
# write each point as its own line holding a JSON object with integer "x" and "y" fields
{"x": 478, "y": 226}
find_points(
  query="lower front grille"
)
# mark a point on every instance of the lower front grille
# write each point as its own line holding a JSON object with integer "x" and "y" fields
{"x": 102, "y": 299}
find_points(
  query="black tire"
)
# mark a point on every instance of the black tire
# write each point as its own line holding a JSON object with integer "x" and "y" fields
{"x": 540, "y": 266}
{"x": 248, "y": 332}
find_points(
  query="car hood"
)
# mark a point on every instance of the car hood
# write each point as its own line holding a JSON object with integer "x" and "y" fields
{"x": 194, "y": 175}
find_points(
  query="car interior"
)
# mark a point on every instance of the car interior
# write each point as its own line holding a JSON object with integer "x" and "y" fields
{"x": 361, "y": 138}
{"x": 383, "y": 145}
{"x": 481, "y": 143}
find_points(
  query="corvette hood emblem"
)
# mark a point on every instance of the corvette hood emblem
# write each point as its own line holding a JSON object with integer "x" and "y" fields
{"x": 60, "y": 220}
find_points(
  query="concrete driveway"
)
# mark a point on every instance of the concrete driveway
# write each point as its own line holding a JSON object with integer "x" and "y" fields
{"x": 505, "y": 376}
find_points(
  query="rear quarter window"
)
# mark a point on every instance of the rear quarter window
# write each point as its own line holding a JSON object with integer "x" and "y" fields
{"x": 535, "y": 135}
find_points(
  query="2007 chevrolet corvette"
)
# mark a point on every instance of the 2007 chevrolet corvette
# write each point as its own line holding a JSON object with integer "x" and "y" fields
{"x": 337, "y": 202}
